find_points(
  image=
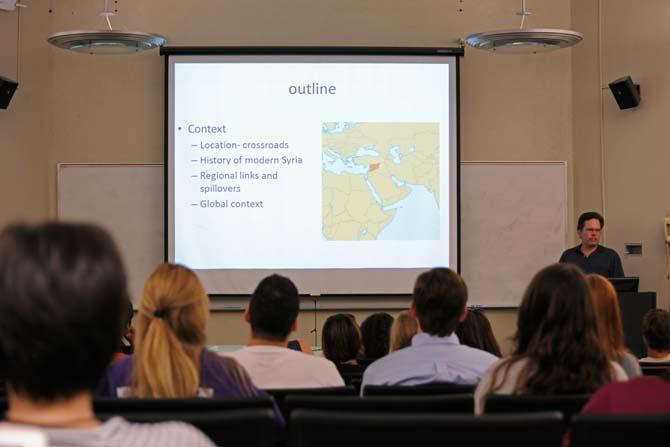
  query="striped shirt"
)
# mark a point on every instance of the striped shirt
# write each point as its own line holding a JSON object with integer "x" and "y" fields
{"x": 117, "y": 432}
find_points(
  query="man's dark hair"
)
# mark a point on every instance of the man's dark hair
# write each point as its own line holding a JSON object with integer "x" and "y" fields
{"x": 588, "y": 216}
{"x": 273, "y": 308}
{"x": 656, "y": 329}
{"x": 62, "y": 307}
{"x": 439, "y": 297}
{"x": 376, "y": 335}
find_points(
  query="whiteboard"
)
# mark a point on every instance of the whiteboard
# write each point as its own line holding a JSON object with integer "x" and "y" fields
{"x": 513, "y": 222}
{"x": 125, "y": 199}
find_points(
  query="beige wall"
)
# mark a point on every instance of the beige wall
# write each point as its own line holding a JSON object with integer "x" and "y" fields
{"x": 25, "y": 127}
{"x": 624, "y": 150}
{"x": 78, "y": 108}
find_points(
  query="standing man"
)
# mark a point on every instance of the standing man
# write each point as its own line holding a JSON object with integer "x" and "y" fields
{"x": 590, "y": 256}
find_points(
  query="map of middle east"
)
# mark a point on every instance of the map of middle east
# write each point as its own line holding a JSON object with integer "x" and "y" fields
{"x": 381, "y": 181}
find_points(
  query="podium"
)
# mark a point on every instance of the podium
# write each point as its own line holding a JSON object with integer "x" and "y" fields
{"x": 633, "y": 306}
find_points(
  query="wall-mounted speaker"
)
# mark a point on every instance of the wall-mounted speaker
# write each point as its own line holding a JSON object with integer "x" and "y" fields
{"x": 626, "y": 93}
{"x": 7, "y": 89}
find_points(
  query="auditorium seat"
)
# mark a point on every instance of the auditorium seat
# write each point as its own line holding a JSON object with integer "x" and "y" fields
{"x": 654, "y": 369}
{"x": 456, "y": 403}
{"x": 568, "y": 404}
{"x": 619, "y": 430}
{"x": 309, "y": 428}
{"x": 417, "y": 390}
{"x": 279, "y": 394}
{"x": 229, "y": 422}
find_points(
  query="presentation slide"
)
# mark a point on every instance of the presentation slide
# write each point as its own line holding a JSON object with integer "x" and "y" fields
{"x": 338, "y": 171}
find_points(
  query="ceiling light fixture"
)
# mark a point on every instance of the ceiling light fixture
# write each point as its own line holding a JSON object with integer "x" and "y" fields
{"x": 523, "y": 41}
{"x": 106, "y": 41}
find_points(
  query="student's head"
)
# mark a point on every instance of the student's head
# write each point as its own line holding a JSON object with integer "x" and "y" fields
{"x": 439, "y": 301}
{"x": 62, "y": 308}
{"x": 608, "y": 317}
{"x": 556, "y": 332}
{"x": 171, "y": 326}
{"x": 475, "y": 331}
{"x": 656, "y": 330}
{"x": 340, "y": 339}
{"x": 128, "y": 335}
{"x": 376, "y": 335}
{"x": 404, "y": 328}
{"x": 273, "y": 309}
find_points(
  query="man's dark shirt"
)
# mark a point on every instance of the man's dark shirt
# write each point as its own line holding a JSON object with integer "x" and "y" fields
{"x": 603, "y": 261}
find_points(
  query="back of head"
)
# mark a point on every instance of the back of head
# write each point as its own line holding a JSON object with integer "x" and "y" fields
{"x": 404, "y": 328}
{"x": 656, "y": 329}
{"x": 556, "y": 332}
{"x": 340, "y": 339}
{"x": 608, "y": 316}
{"x": 439, "y": 298}
{"x": 171, "y": 326}
{"x": 273, "y": 308}
{"x": 475, "y": 331}
{"x": 376, "y": 335}
{"x": 62, "y": 305}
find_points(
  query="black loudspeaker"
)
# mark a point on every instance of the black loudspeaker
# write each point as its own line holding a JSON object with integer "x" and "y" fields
{"x": 7, "y": 89}
{"x": 626, "y": 93}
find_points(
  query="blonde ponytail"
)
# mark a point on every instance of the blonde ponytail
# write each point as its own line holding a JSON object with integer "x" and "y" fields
{"x": 170, "y": 334}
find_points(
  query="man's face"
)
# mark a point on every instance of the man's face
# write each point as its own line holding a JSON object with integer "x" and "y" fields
{"x": 590, "y": 233}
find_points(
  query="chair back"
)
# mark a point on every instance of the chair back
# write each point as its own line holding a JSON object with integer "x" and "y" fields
{"x": 654, "y": 369}
{"x": 417, "y": 390}
{"x": 567, "y": 404}
{"x": 618, "y": 430}
{"x": 455, "y": 403}
{"x": 356, "y": 429}
{"x": 351, "y": 377}
{"x": 229, "y": 422}
{"x": 279, "y": 394}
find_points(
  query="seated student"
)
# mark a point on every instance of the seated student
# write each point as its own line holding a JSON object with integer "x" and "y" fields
{"x": 170, "y": 358}
{"x": 272, "y": 315}
{"x": 404, "y": 328}
{"x": 610, "y": 328}
{"x": 438, "y": 303}
{"x": 557, "y": 349}
{"x": 656, "y": 336}
{"x": 341, "y": 344}
{"x": 126, "y": 346}
{"x": 476, "y": 331}
{"x": 63, "y": 292}
{"x": 641, "y": 395}
{"x": 376, "y": 337}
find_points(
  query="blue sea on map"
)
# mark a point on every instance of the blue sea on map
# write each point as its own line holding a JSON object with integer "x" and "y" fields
{"x": 417, "y": 216}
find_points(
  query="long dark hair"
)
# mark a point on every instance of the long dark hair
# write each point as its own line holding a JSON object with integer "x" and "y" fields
{"x": 475, "y": 331}
{"x": 557, "y": 335}
{"x": 376, "y": 335}
{"x": 340, "y": 339}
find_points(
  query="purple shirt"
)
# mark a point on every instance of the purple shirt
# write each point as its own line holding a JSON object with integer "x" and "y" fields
{"x": 224, "y": 376}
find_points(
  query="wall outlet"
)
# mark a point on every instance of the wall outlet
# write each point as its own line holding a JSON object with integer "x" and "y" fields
{"x": 633, "y": 248}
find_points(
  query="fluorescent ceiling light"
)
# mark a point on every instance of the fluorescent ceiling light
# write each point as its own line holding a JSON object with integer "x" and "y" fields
{"x": 106, "y": 42}
{"x": 109, "y": 41}
{"x": 523, "y": 41}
